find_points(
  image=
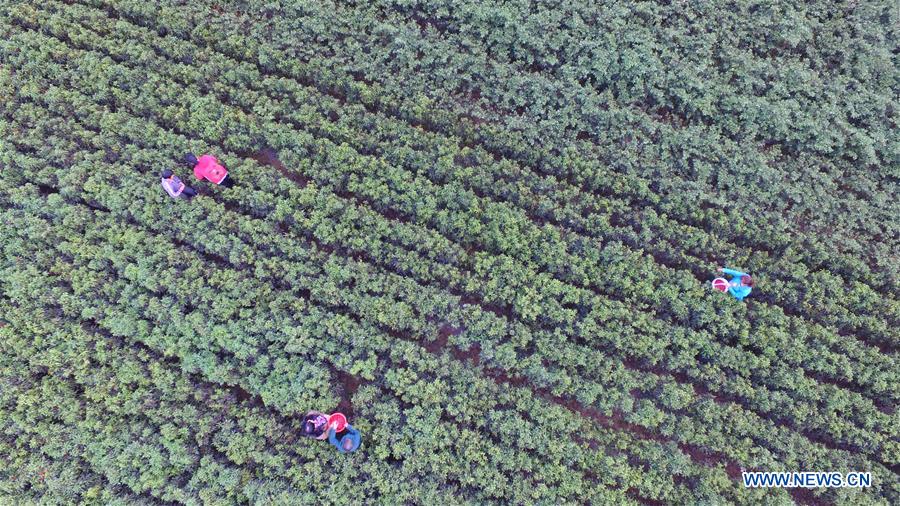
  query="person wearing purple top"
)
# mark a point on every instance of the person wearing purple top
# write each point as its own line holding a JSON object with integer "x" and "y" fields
{"x": 174, "y": 186}
{"x": 315, "y": 425}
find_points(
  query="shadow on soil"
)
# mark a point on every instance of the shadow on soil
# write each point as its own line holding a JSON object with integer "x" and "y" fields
{"x": 268, "y": 156}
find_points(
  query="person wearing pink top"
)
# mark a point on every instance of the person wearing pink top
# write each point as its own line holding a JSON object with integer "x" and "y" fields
{"x": 208, "y": 167}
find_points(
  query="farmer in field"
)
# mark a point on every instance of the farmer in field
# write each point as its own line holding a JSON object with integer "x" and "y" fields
{"x": 207, "y": 167}
{"x": 346, "y": 441}
{"x": 740, "y": 285}
{"x": 315, "y": 425}
{"x": 174, "y": 187}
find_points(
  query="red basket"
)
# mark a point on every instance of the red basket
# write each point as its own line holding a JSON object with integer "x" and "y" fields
{"x": 337, "y": 421}
{"x": 720, "y": 284}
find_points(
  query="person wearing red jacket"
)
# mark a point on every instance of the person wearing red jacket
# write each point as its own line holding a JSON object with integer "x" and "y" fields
{"x": 208, "y": 168}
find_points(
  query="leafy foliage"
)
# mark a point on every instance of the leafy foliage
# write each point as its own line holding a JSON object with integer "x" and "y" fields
{"x": 483, "y": 239}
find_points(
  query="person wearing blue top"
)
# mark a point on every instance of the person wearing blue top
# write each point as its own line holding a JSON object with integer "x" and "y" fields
{"x": 347, "y": 441}
{"x": 740, "y": 285}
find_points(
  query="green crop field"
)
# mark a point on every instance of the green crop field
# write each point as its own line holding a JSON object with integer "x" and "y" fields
{"x": 484, "y": 231}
